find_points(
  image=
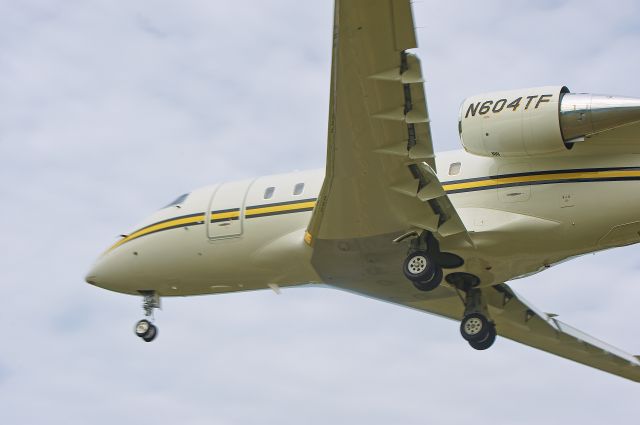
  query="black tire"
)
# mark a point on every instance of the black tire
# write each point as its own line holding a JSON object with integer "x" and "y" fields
{"x": 419, "y": 267}
{"x": 475, "y": 327}
{"x": 142, "y": 327}
{"x": 487, "y": 342}
{"x": 432, "y": 283}
{"x": 151, "y": 334}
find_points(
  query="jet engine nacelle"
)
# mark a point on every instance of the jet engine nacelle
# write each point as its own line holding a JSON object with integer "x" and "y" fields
{"x": 539, "y": 121}
{"x": 513, "y": 123}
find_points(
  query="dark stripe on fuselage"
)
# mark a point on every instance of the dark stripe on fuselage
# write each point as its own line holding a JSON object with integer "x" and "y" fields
{"x": 168, "y": 220}
{"x": 541, "y": 173}
{"x": 543, "y": 182}
{"x": 230, "y": 214}
{"x": 278, "y": 204}
{"x": 542, "y": 178}
{"x": 218, "y": 220}
{"x": 584, "y": 175}
{"x": 269, "y": 214}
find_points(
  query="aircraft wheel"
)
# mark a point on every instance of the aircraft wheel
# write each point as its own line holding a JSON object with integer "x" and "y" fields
{"x": 419, "y": 267}
{"x": 146, "y": 330}
{"x": 142, "y": 327}
{"x": 487, "y": 341}
{"x": 475, "y": 327}
{"x": 151, "y": 334}
{"x": 431, "y": 284}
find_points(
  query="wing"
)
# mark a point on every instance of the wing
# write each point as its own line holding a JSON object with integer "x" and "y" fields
{"x": 514, "y": 317}
{"x": 519, "y": 321}
{"x": 380, "y": 175}
{"x": 368, "y": 266}
{"x": 380, "y": 183}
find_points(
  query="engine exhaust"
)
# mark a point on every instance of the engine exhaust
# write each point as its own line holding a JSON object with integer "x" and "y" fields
{"x": 583, "y": 115}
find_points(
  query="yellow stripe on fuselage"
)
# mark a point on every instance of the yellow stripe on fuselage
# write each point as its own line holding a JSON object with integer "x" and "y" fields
{"x": 448, "y": 187}
{"x": 279, "y": 208}
{"x": 541, "y": 178}
{"x": 224, "y": 215}
{"x": 200, "y": 218}
{"x": 158, "y": 227}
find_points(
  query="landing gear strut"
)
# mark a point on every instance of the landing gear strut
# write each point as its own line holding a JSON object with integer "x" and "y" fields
{"x": 145, "y": 329}
{"x": 476, "y": 328}
{"x": 420, "y": 266}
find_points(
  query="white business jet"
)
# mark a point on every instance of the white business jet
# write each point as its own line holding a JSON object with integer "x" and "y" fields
{"x": 545, "y": 175}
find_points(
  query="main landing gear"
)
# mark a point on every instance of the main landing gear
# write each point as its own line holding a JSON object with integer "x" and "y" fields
{"x": 420, "y": 266}
{"x": 423, "y": 267}
{"x": 145, "y": 329}
{"x": 475, "y": 327}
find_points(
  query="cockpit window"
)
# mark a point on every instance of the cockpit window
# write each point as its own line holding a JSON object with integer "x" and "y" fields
{"x": 179, "y": 200}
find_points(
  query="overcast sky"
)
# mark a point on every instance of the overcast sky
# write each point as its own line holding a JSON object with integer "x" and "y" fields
{"x": 109, "y": 110}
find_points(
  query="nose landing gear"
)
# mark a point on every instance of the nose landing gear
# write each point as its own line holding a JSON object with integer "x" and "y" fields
{"x": 145, "y": 329}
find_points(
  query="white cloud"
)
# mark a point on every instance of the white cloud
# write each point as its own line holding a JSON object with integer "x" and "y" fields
{"x": 109, "y": 109}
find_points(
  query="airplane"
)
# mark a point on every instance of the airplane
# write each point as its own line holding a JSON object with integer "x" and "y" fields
{"x": 545, "y": 175}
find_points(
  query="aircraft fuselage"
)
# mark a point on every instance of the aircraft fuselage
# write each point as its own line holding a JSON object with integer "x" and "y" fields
{"x": 523, "y": 214}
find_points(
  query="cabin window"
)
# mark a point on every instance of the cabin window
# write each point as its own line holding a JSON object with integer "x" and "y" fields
{"x": 268, "y": 192}
{"x": 454, "y": 168}
{"x": 298, "y": 189}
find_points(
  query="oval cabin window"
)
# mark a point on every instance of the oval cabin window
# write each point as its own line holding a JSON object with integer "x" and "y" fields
{"x": 268, "y": 192}
{"x": 454, "y": 168}
{"x": 298, "y": 189}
